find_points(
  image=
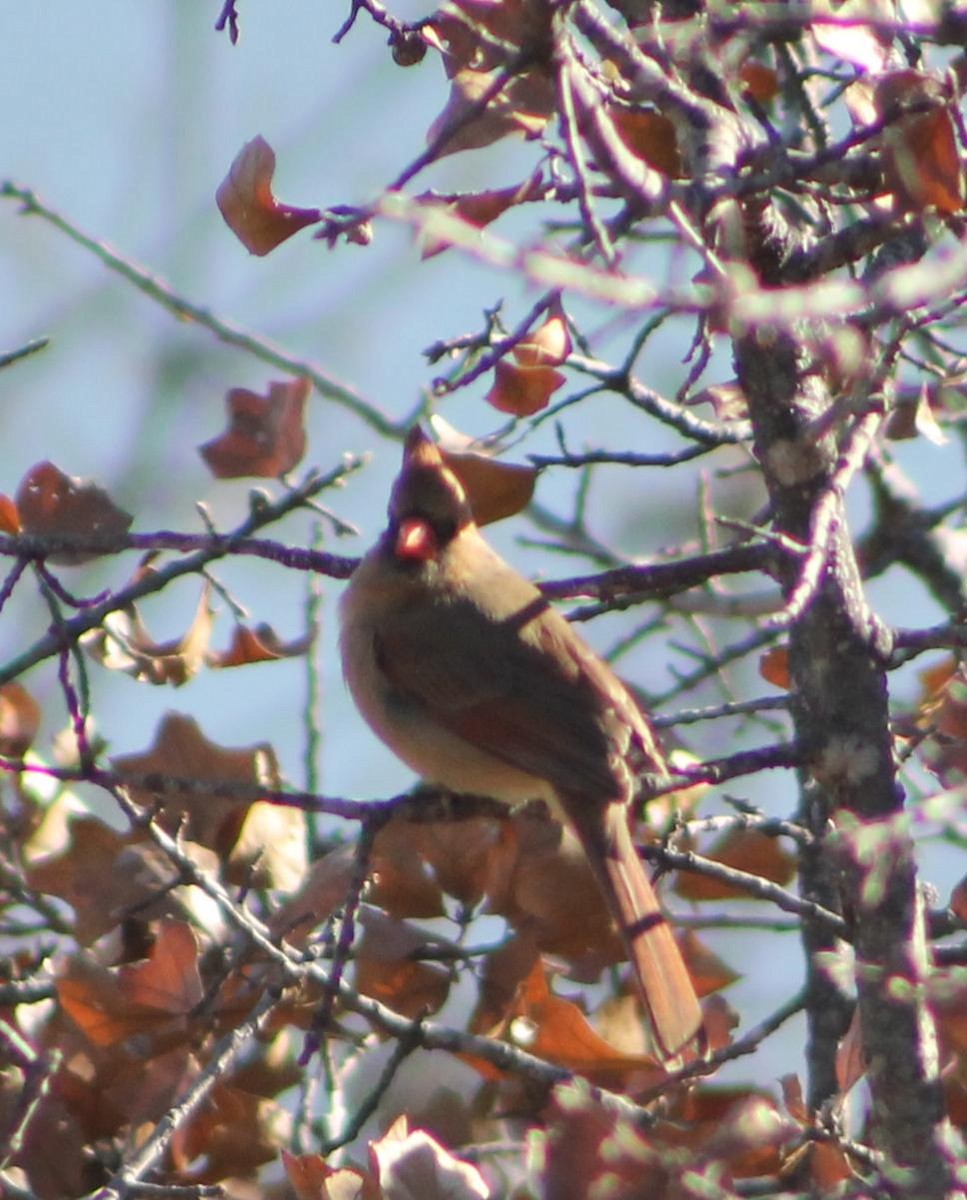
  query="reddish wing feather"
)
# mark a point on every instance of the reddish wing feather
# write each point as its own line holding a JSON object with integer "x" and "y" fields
{"x": 499, "y": 695}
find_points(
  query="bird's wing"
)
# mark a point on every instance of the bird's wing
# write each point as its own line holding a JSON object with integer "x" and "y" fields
{"x": 524, "y": 689}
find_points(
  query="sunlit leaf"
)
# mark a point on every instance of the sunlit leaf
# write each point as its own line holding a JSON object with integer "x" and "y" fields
{"x": 251, "y": 211}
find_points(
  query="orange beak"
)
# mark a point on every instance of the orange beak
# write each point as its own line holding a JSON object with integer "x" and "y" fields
{"x": 415, "y": 540}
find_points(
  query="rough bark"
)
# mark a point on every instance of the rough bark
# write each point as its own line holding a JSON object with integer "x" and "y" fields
{"x": 841, "y": 713}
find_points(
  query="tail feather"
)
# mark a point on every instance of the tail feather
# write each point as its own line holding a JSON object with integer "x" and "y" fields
{"x": 665, "y": 987}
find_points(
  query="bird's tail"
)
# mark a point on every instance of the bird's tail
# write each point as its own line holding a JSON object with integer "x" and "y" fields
{"x": 665, "y": 987}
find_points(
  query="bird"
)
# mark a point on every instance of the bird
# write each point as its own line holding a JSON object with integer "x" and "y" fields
{"x": 463, "y": 669}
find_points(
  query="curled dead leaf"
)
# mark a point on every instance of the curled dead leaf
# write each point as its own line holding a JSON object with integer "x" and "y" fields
{"x": 494, "y": 488}
{"x": 524, "y": 105}
{"x": 727, "y": 400}
{"x": 555, "y": 1029}
{"x": 122, "y": 643}
{"x": 388, "y": 968}
{"x": 251, "y": 211}
{"x": 101, "y": 874}
{"x": 261, "y": 644}
{"x": 479, "y": 209}
{"x": 266, "y": 434}
{"x": 915, "y": 417}
{"x": 212, "y": 815}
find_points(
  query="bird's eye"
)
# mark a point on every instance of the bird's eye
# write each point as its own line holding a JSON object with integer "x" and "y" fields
{"x": 445, "y": 530}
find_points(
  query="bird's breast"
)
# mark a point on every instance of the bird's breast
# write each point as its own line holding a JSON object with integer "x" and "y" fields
{"x": 404, "y": 722}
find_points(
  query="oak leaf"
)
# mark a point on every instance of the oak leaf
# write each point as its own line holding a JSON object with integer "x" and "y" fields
{"x": 229, "y": 1136}
{"x": 104, "y": 874}
{"x": 740, "y": 1127}
{"x": 403, "y": 882}
{"x": 152, "y": 999}
{"x": 208, "y": 815}
{"x": 540, "y": 881}
{"x": 322, "y": 889}
{"x": 585, "y": 1144}
{"x": 388, "y": 970}
{"x": 556, "y": 1030}
{"x": 168, "y": 980}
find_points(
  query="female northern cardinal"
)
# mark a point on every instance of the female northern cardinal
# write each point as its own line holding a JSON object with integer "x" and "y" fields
{"x": 472, "y": 679}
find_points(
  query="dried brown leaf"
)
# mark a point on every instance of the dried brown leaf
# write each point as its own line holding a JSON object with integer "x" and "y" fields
{"x": 104, "y": 875}
{"x": 122, "y": 643}
{"x": 922, "y": 158}
{"x": 546, "y": 346}
{"x": 774, "y": 667}
{"x": 479, "y": 209}
{"x": 9, "y": 517}
{"x": 210, "y": 816}
{"x": 524, "y": 105}
{"x": 746, "y": 850}
{"x": 261, "y": 644}
{"x": 650, "y": 136}
{"x": 19, "y": 719}
{"x": 266, "y": 435}
{"x": 52, "y": 504}
{"x": 523, "y": 391}
{"x": 251, "y": 211}
{"x": 556, "y": 1030}
{"x": 387, "y": 968}
{"x": 494, "y": 488}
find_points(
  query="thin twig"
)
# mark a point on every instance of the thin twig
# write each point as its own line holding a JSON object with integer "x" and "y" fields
{"x": 226, "y": 331}
{"x": 216, "y": 1069}
{"x": 213, "y": 548}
